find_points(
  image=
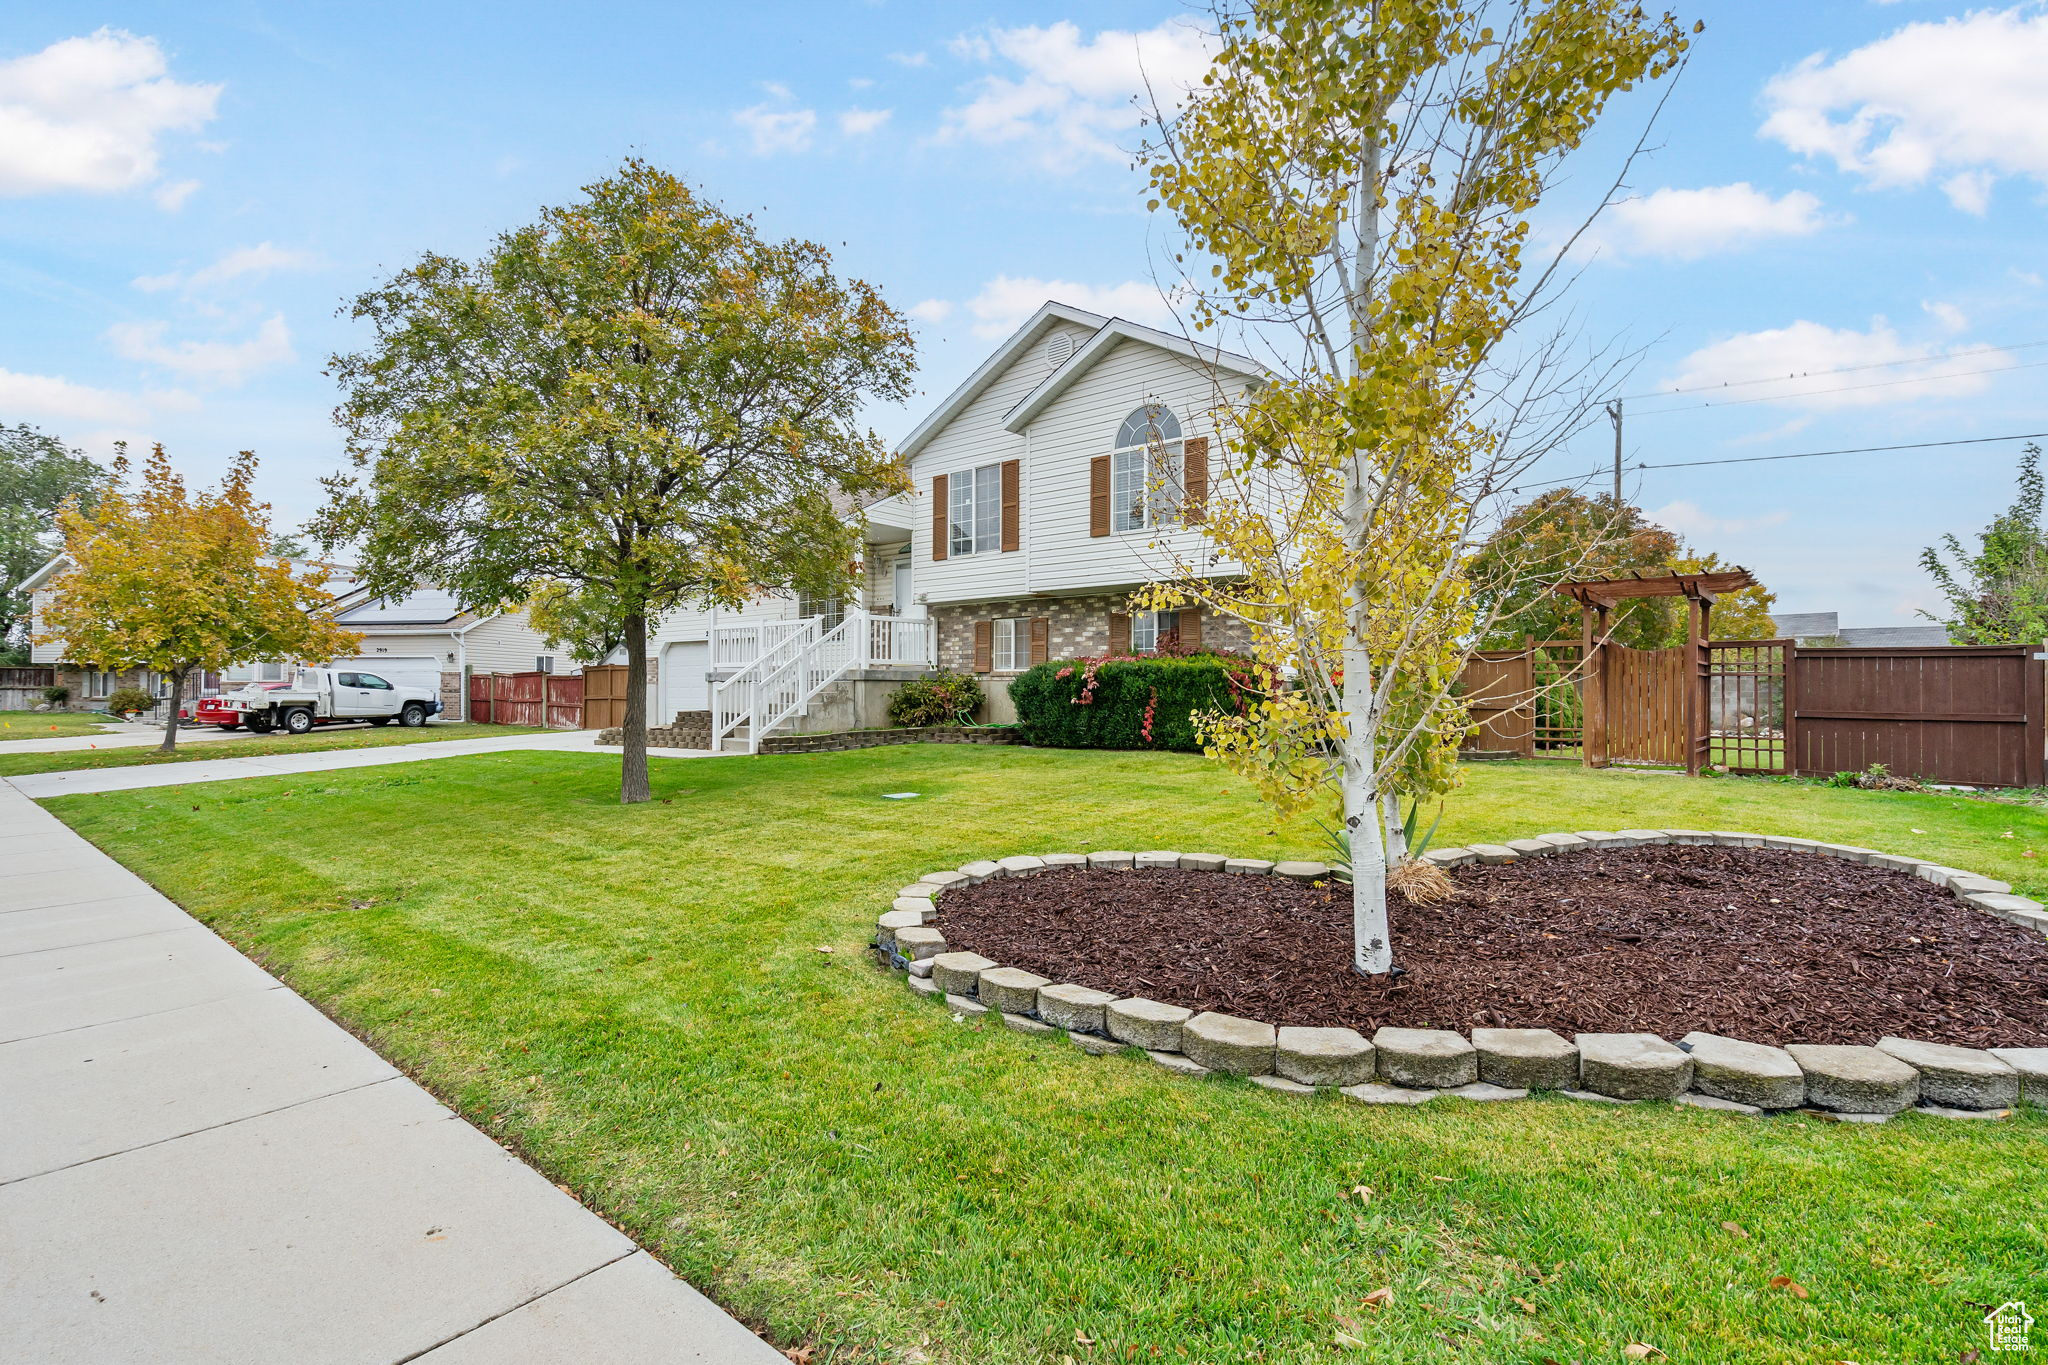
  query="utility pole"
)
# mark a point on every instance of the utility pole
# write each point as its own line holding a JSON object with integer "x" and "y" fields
{"x": 1614, "y": 415}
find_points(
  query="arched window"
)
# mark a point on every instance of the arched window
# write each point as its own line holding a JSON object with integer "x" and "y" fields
{"x": 1147, "y": 473}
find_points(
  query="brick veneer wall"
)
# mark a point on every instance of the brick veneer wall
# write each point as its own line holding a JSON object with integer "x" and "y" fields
{"x": 1080, "y": 626}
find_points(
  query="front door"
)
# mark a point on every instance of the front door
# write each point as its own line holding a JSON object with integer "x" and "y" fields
{"x": 900, "y": 593}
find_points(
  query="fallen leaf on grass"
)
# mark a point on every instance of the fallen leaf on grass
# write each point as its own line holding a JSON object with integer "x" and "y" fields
{"x": 1364, "y": 1193}
{"x": 801, "y": 1355}
{"x": 1734, "y": 1229}
{"x": 821, "y": 950}
{"x": 1345, "y": 1339}
{"x": 1789, "y": 1285}
{"x": 1081, "y": 1338}
{"x": 1526, "y": 1306}
{"x": 1638, "y": 1350}
{"x": 1379, "y": 1298}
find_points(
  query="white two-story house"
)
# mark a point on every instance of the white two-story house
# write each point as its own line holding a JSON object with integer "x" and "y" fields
{"x": 1067, "y": 471}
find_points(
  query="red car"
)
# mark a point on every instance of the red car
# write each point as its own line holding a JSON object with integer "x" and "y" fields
{"x": 211, "y": 711}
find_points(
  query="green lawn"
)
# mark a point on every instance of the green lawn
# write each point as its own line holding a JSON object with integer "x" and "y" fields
{"x": 635, "y": 999}
{"x": 49, "y": 724}
{"x": 352, "y": 737}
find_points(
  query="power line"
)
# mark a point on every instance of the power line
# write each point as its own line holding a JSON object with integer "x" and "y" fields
{"x": 1822, "y": 374}
{"x": 1800, "y": 455}
{"x": 1846, "y": 388}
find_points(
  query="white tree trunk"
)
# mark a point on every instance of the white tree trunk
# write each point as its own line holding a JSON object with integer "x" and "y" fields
{"x": 1371, "y": 952}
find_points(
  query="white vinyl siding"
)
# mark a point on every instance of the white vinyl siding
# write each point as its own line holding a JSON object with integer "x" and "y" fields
{"x": 504, "y": 644}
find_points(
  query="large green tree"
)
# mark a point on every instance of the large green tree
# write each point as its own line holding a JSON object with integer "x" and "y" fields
{"x": 1564, "y": 535}
{"x": 38, "y": 474}
{"x": 635, "y": 404}
{"x": 1998, "y": 595}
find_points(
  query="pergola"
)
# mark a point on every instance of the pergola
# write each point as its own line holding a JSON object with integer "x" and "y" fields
{"x": 1597, "y": 599}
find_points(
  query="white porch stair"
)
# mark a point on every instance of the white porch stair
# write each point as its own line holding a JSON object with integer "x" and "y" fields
{"x": 780, "y": 668}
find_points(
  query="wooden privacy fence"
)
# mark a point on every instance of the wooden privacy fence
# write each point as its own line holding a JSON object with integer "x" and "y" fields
{"x": 1969, "y": 715}
{"x": 1949, "y": 713}
{"x": 604, "y": 696}
{"x": 553, "y": 700}
{"x": 22, "y": 688}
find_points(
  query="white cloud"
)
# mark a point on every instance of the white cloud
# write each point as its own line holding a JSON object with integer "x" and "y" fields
{"x": 775, "y": 130}
{"x": 860, "y": 82}
{"x": 213, "y": 362}
{"x": 1961, "y": 98}
{"x": 861, "y": 122}
{"x": 1691, "y": 521}
{"x": 910, "y": 58}
{"x": 931, "y": 310}
{"x": 1688, "y": 224}
{"x": 57, "y": 399}
{"x": 170, "y": 198}
{"x": 1005, "y": 301}
{"x": 1804, "y": 350}
{"x": 1951, "y": 318}
{"x": 1068, "y": 98}
{"x": 244, "y": 261}
{"x": 88, "y": 114}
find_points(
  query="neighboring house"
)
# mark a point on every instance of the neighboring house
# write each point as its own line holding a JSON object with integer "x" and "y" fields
{"x": 1823, "y": 628}
{"x": 428, "y": 632}
{"x": 423, "y": 639}
{"x": 90, "y": 684}
{"x": 1066, "y": 472}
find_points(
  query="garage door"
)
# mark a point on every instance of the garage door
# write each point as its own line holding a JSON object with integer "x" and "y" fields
{"x": 682, "y": 679}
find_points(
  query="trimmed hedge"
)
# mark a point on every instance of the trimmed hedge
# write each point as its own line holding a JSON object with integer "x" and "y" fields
{"x": 1114, "y": 717}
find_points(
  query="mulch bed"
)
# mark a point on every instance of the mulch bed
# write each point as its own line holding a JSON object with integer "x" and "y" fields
{"x": 1773, "y": 947}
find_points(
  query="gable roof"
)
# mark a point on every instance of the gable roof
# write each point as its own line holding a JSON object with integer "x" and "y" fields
{"x": 420, "y": 607}
{"x": 1036, "y": 326}
{"x": 1112, "y": 331}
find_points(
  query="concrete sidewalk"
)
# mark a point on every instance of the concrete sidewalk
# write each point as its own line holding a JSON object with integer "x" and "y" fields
{"x": 117, "y": 735}
{"x": 43, "y": 786}
{"x": 198, "y": 1166}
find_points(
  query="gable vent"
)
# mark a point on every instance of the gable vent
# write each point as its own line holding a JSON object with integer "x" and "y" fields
{"x": 1058, "y": 349}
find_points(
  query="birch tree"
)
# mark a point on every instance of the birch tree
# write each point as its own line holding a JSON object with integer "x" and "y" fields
{"x": 1354, "y": 181}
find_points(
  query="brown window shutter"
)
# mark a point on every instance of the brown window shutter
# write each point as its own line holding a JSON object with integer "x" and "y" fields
{"x": 1041, "y": 639}
{"x": 1119, "y": 633}
{"x": 939, "y": 533}
{"x": 1012, "y": 499}
{"x": 1194, "y": 478}
{"x": 984, "y": 646}
{"x": 1190, "y": 628}
{"x": 1098, "y": 496}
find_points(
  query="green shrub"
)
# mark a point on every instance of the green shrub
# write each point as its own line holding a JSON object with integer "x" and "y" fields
{"x": 56, "y": 696}
{"x": 941, "y": 699}
{"x": 1144, "y": 703}
{"x": 130, "y": 699}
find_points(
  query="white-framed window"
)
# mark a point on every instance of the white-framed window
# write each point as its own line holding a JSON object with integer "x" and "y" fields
{"x": 99, "y": 683}
{"x": 1146, "y": 471}
{"x": 544, "y": 663}
{"x": 974, "y": 512}
{"x": 1147, "y": 627}
{"x": 1012, "y": 644}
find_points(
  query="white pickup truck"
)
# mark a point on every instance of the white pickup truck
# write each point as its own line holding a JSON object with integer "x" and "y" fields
{"x": 320, "y": 696}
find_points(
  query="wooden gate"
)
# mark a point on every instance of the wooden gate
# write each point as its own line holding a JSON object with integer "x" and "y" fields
{"x": 1963, "y": 714}
{"x": 604, "y": 696}
{"x": 550, "y": 700}
{"x": 1643, "y": 705}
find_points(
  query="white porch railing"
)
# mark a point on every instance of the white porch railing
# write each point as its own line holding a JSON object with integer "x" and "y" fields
{"x": 781, "y": 665}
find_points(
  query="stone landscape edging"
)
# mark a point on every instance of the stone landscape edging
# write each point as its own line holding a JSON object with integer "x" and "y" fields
{"x": 1413, "y": 1066}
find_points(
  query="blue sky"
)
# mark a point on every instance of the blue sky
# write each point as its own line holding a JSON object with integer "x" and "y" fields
{"x": 189, "y": 192}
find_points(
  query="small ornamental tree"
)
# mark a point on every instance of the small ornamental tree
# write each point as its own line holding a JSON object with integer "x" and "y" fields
{"x": 1999, "y": 594}
{"x": 1354, "y": 181}
{"x": 180, "y": 582}
{"x": 633, "y": 405}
